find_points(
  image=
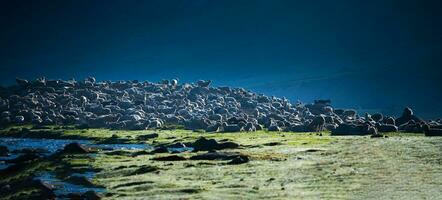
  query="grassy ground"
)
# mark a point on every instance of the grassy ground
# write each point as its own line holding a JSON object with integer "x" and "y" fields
{"x": 282, "y": 166}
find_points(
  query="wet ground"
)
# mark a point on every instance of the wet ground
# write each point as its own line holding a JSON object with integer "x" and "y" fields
{"x": 265, "y": 165}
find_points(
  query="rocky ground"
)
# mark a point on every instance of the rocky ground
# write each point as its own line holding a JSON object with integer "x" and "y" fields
{"x": 137, "y": 140}
{"x": 183, "y": 164}
{"x": 135, "y": 105}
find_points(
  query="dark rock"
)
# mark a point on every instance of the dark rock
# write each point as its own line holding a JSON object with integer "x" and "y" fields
{"x": 75, "y": 148}
{"x": 215, "y": 156}
{"x": 203, "y": 83}
{"x": 161, "y": 149}
{"x": 74, "y": 196}
{"x": 351, "y": 129}
{"x": 274, "y": 128}
{"x": 411, "y": 127}
{"x": 169, "y": 158}
{"x": 231, "y": 128}
{"x": 387, "y": 128}
{"x": 46, "y": 190}
{"x": 227, "y": 145}
{"x": 145, "y": 169}
{"x": 80, "y": 180}
{"x": 4, "y": 151}
{"x": 147, "y": 136}
{"x": 91, "y": 195}
{"x": 317, "y": 124}
{"x": 29, "y": 157}
{"x": 407, "y": 116}
{"x": 239, "y": 160}
{"x": 390, "y": 121}
{"x": 377, "y": 117}
{"x": 203, "y": 144}
{"x": 431, "y": 131}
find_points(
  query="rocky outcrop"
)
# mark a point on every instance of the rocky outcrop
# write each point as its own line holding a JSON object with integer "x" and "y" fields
{"x": 136, "y": 105}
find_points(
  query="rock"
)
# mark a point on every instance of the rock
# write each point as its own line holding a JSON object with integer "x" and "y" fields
{"x": 46, "y": 190}
{"x": 431, "y": 131}
{"x": 406, "y": 116}
{"x": 75, "y": 148}
{"x": 28, "y": 157}
{"x": 22, "y": 82}
{"x": 147, "y": 136}
{"x": 377, "y": 117}
{"x": 351, "y": 129}
{"x": 390, "y": 121}
{"x": 161, "y": 149}
{"x": 411, "y": 127}
{"x": 19, "y": 119}
{"x": 317, "y": 124}
{"x": 213, "y": 155}
{"x": 350, "y": 113}
{"x": 387, "y": 128}
{"x": 174, "y": 82}
{"x": 372, "y": 130}
{"x": 136, "y": 105}
{"x": 274, "y": 128}
{"x": 74, "y": 196}
{"x": 239, "y": 160}
{"x": 203, "y": 144}
{"x": 80, "y": 180}
{"x": 91, "y": 195}
{"x": 169, "y": 158}
{"x": 4, "y": 151}
{"x": 145, "y": 169}
{"x": 202, "y": 83}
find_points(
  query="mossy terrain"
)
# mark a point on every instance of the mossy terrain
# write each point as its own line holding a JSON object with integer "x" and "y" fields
{"x": 283, "y": 165}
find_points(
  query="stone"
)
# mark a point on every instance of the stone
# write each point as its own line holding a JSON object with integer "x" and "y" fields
{"x": 75, "y": 148}
{"x": 351, "y": 129}
{"x": 169, "y": 158}
{"x": 213, "y": 155}
{"x": 406, "y": 116}
{"x": 80, "y": 180}
{"x": 203, "y": 144}
{"x": 91, "y": 195}
{"x": 4, "y": 151}
{"x": 431, "y": 131}
{"x": 387, "y": 128}
{"x": 239, "y": 160}
{"x": 377, "y": 117}
{"x": 317, "y": 124}
{"x": 274, "y": 128}
{"x": 147, "y": 136}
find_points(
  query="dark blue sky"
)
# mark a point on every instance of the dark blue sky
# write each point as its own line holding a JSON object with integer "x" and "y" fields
{"x": 371, "y": 55}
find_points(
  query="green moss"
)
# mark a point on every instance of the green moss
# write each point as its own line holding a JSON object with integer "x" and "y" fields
{"x": 283, "y": 165}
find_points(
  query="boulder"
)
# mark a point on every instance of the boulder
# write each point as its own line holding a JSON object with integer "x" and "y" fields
{"x": 317, "y": 124}
{"x": 79, "y": 180}
{"x": 351, "y": 129}
{"x": 169, "y": 158}
{"x": 91, "y": 195}
{"x": 203, "y": 144}
{"x": 407, "y": 115}
{"x": 214, "y": 155}
{"x": 274, "y": 128}
{"x": 4, "y": 151}
{"x": 75, "y": 148}
{"x": 377, "y": 117}
{"x": 231, "y": 127}
{"x": 387, "y": 128}
{"x": 431, "y": 131}
{"x": 147, "y": 136}
{"x": 239, "y": 160}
